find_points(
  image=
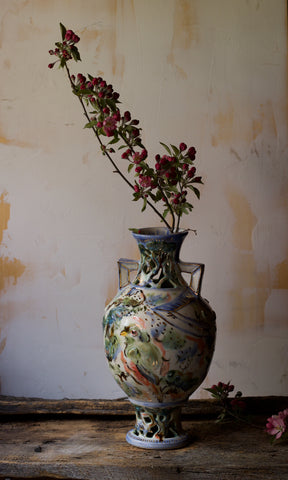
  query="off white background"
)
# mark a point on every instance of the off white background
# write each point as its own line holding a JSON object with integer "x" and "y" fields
{"x": 211, "y": 73}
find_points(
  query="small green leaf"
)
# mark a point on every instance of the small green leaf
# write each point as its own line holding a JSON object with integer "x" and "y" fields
{"x": 111, "y": 104}
{"x": 144, "y": 204}
{"x": 75, "y": 54}
{"x": 114, "y": 140}
{"x": 197, "y": 192}
{"x": 165, "y": 213}
{"x": 62, "y": 62}
{"x": 90, "y": 124}
{"x": 63, "y": 31}
{"x": 130, "y": 166}
{"x": 175, "y": 150}
{"x": 166, "y": 148}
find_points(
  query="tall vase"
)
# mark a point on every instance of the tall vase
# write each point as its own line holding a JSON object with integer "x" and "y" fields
{"x": 159, "y": 337}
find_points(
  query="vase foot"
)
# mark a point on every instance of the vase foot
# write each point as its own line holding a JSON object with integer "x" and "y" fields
{"x": 158, "y": 428}
{"x": 179, "y": 441}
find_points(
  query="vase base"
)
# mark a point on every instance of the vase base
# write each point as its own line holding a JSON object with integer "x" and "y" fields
{"x": 179, "y": 441}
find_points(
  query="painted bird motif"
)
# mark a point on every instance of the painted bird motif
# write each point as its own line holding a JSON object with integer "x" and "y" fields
{"x": 142, "y": 352}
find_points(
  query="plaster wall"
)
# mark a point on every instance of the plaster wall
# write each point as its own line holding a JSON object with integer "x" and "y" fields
{"x": 210, "y": 73}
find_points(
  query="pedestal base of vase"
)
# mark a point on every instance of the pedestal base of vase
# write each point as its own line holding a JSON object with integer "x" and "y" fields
{"x": 158, "y": 428}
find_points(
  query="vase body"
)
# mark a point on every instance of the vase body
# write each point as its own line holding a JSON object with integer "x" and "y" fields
{"x": 159, "y": 336}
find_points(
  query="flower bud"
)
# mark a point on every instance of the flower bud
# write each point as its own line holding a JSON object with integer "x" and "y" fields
{"x": 127, "y": 116}
{"x": 68, "y": 35}
{"x": 75, "y": 38}
{"x": 191, "y": 153}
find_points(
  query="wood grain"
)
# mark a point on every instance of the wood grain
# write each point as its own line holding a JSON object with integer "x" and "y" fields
{"x": 87, "y": 448}
{"x": 40, "y": 406}
{"x": 85, "y": 440}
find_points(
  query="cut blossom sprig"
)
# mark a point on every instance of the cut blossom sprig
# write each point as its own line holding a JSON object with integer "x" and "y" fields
{"x": 173, "y": 174}
{"x": 231, "y": 407}
{"x": 277, "y": 425}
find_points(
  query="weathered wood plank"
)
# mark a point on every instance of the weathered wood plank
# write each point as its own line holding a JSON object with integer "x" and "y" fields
{"x": 30, "y": 406}
{"x": 95, "y": 448}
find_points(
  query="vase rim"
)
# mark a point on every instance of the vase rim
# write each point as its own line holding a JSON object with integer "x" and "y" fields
{"x": 157, "y": 232}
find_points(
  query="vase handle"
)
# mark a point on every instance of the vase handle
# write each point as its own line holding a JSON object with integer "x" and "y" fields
{"x": 197, "y": 271}
{"x": 125, "y": 266}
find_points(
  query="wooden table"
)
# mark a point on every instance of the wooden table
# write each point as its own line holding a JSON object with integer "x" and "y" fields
{"x": 79, "y": 446}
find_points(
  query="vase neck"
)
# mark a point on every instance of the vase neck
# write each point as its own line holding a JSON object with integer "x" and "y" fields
{"x": 159, "y": 258}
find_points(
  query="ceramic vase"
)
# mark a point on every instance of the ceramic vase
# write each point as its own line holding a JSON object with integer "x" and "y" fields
{"x": 159, "y": 336}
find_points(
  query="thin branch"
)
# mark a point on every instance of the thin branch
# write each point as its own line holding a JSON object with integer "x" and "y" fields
{"x": 117, "y": 170}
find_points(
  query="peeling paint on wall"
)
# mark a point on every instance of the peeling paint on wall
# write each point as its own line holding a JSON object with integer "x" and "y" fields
{"x": 251, "y": 286}
{"x": 224, "y": 127}
{"x": 259, "y": 122}
{"x": 244, "y": 220}
{"x": 3, "y": 344}
{"x": 281, "y": 275}
{"x": 12, "y": 141}
{"x": 185, "y": 31}
{"x": 9, "y": 268}
{"x": 4, "y": 214}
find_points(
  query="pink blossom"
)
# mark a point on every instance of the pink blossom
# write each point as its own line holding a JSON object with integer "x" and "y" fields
{"x": 136, "y": 188}
{"x": 146, "y": 181}
{"x": 137, "y": 157}
{"x": 276, "y": 425}
{"x": 284, "y": 414}
{"x": 116, "y": 116}
{"x": 109, "y": 126}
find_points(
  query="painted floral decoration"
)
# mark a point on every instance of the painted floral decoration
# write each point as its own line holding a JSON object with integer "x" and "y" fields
{"x": 163, "y": 185}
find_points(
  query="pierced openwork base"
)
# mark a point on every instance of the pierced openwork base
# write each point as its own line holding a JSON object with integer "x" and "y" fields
{"x": 158, "y": 428}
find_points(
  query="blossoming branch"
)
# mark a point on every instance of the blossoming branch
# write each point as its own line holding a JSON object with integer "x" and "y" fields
{"x": 167, "y": 182}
